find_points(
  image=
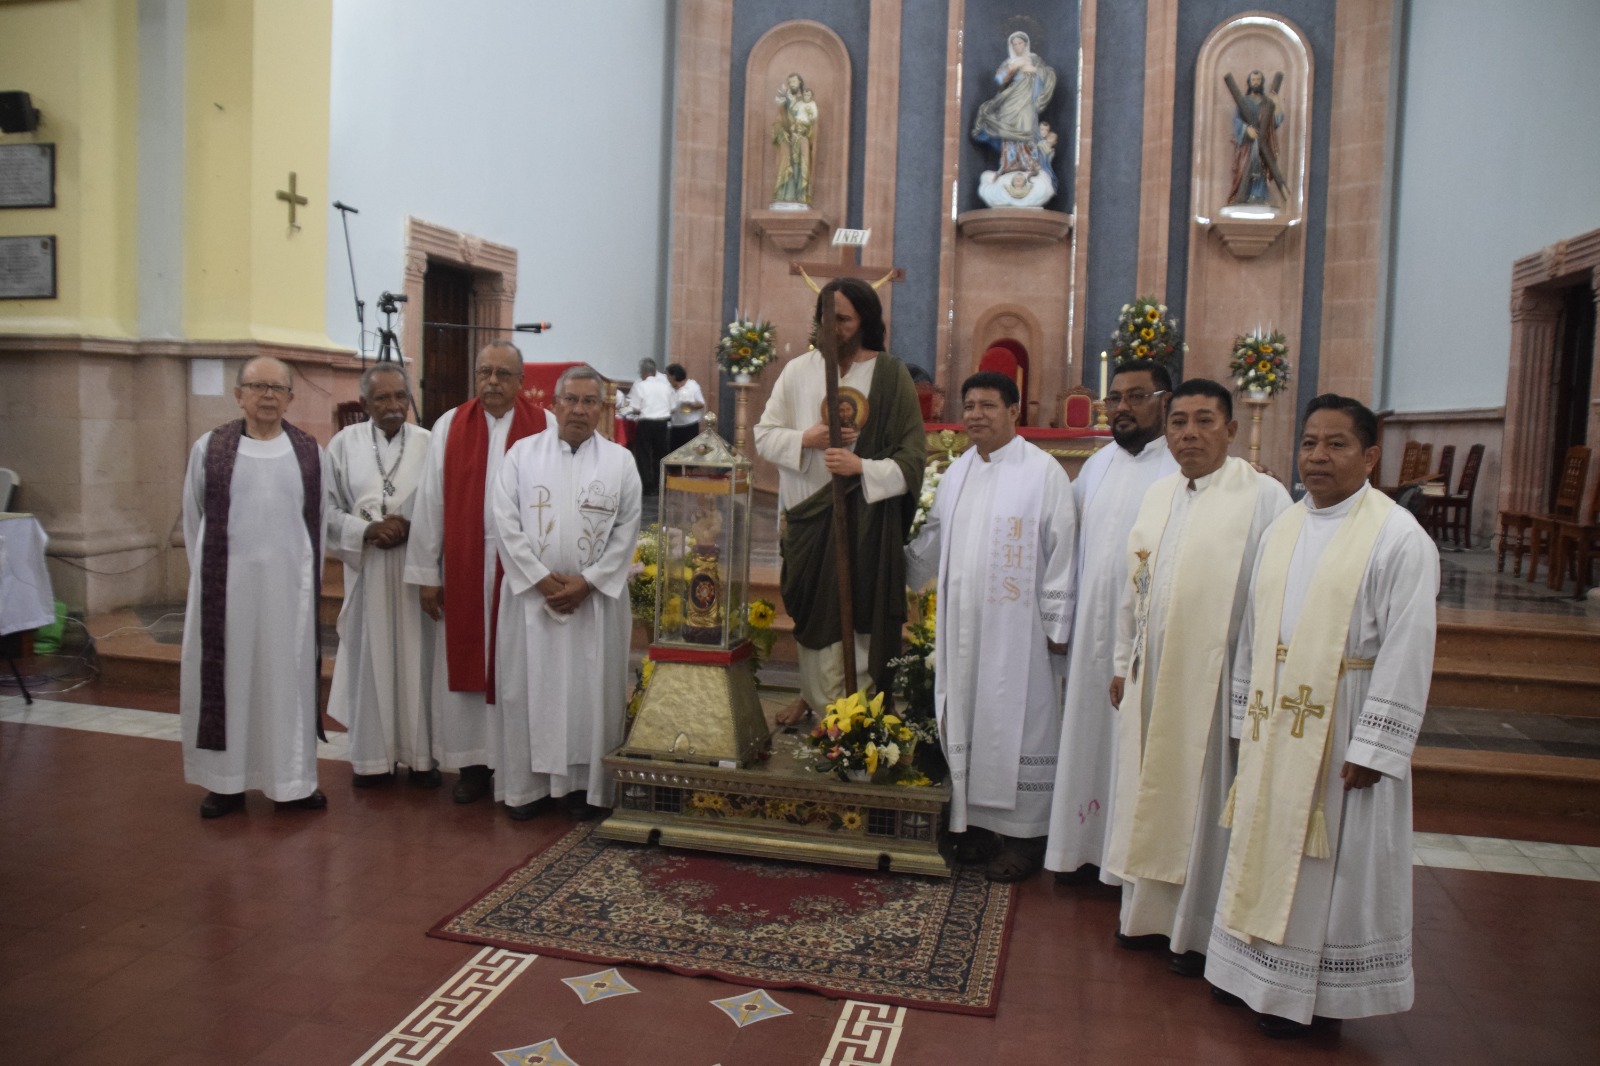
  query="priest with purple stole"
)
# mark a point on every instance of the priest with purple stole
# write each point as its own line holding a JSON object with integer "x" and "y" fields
{"x": 1001, "y": 539}
{"x": 1330, "y": 681}
{"x": 566, "y": 516}
{"x": 1189, "y": 559}
{"x": 252, "y": 525}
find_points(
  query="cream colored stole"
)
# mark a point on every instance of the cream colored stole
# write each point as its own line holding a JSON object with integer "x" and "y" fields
{"x": 1159, "y": 769}
{"x": 1276, "y": 802}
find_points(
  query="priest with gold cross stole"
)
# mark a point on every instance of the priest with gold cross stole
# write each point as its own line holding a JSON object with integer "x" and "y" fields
{"x": 1190, "y": 556}
{"x": 1000, "y": 538}
{"x": 1329, "y": 685}
{"x": 385, "y": 641}
{"x": 566, "y": 512}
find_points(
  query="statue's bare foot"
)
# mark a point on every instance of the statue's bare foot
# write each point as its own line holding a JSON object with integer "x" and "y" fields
{"x": 795, "y": 713}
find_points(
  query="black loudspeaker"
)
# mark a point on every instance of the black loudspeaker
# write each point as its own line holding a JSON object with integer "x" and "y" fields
{"x": 17, "y": 113}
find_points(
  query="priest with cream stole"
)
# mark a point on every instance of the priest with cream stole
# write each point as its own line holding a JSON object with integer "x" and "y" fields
{"x": 1108, "y": 489}
{"x": 1329, "y": 685}
{"x": 1189, "y": 558}
{"x": 451, "y": 556}
{"x": 379, "y": 691}
{"x": 1000, "y": 538}
{"x": 566, "y": 511}
{"x": 252, "y": 527}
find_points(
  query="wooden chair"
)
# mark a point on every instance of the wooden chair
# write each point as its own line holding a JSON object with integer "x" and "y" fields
{"x": 1447, "y": 466}
{"x": 1541, "y": 528}
{"x": 1577, "y": 546}
{"x": 1076, "y": 407}
{"x": 1514, "y": 524}
{"x": 349, "y": 413}
{"x": 1408, "y": 467}
{"x": 1452, "y": 513}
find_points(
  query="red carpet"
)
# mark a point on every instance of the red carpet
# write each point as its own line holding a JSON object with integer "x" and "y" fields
{"x": 850, "y": 934}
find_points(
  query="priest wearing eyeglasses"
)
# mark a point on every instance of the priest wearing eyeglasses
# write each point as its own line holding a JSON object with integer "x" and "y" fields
{"x": 252, "y": 525}
{"x": 566, "y": 512}
{"x": 451, "y": 558}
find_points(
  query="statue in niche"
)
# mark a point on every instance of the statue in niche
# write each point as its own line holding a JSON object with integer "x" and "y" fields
{"x": 1009, "y": 123}
{"x": 794, "y": 134}
{"x": 1255, "y": 139}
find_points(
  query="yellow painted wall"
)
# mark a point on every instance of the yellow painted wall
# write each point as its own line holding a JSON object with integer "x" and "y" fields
{"x": 257, "y": 84}
{"x": 79, "y": 60}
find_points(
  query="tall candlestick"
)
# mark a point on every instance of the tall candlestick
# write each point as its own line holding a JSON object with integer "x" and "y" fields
{"x": 1102, "y": 375}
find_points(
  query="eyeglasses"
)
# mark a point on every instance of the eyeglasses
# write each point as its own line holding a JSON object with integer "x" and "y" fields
{"x": 262, "y": 388}
{"x": 580, "y": 401}
{"x": 503, "y": 373}
{"x": 1136, "y": 398}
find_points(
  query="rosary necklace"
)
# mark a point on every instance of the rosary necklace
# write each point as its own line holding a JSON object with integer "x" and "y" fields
{"x": 387, "y": 475}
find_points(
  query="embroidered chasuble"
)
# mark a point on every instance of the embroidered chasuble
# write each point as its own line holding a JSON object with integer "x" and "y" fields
{"x": 1332, "y": 666}
{"x": 1169, "y": 704}
{"x": 385, "y": 641}
{"x": 1001, "y": 539}
{"x": 563, "y": 699}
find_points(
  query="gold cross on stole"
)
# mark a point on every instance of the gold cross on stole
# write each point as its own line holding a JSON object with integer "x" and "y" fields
{"x": 1258, "y": 713}
{"x": 1300, "y": 708}
{"x": 292, "y": 198}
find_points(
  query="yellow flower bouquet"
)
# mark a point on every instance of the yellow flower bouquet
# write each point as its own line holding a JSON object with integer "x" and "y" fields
{"x": 859, "y": 741}
{"x": 1260, "y": 362}
{"x": 1146, "y": 330}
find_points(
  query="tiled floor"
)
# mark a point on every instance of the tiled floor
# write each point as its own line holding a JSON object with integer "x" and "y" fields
{"x": 132, "y": 930}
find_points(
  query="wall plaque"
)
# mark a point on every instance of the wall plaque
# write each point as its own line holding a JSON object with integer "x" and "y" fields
{"x": 27, "y": 268}
{"x": 27, "y": 175}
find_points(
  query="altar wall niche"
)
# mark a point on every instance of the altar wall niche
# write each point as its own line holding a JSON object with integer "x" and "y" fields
{"x": 770, "y": 239}
{"x": 1247, "y": 262}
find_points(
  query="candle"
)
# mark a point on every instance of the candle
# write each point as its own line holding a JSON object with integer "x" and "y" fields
{"x": 1102, "y": 376}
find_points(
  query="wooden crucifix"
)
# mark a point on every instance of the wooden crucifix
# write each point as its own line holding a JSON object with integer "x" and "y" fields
{"x": 850, "y": 242}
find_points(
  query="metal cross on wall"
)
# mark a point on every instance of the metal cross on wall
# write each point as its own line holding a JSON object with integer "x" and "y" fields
{"x": 293, "y": 199}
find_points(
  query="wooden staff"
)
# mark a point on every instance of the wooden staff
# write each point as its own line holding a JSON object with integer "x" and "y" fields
{"x": 828, "y": 344}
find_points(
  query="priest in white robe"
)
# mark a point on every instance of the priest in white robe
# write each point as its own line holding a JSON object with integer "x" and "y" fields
{"x": 1109, "y": 489}
{"x": 1000, "y": 539}
{"x": 1329, "y": 687}
{"x": 451, "y": 557}
{"x": 253, "y": 527}
{"x": 380, "y": 678}
{"x": 1190, "y": 555}
{"x": 566, "y": 512}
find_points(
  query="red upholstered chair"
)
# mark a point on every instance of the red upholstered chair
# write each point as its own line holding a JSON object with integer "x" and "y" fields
{"x": 1077, "y": 408}
{"x": 1009, "y": 357}
{"x": 931, "y": 398}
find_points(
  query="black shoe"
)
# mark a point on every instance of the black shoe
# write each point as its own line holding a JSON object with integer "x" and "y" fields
{"x": 579, "y": 809}
{"x": 1145, "y": 942}
{"x": 424, "y": 778}
{"x": 1087, "y": 874}
{"x": 217, "y": 804}
{"x": 476, "y": 782}
{"x": 1284, "y": 1029}
{"x": 370, "y": 780}
{"x": 1226, "y": 998}
{"x": 1019, "y": 859}
{"x": 976, "y": 845}
{"x": 1189, "y": 964}
{"x": 526, "y": 811}
{"x": 314, "y": 802}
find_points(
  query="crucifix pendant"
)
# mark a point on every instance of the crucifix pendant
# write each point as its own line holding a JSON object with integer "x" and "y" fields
{"x": 388, "y": 487}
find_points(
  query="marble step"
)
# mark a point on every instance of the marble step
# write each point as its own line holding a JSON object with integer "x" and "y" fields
{"x": 1550, "y": 785}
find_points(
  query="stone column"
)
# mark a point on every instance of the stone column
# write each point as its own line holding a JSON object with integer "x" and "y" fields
{"x": 1530, "y": 397}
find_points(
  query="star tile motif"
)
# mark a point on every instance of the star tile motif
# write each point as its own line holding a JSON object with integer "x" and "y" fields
{"x": 751, "y": 1007}
{"x": 544, "y": 1053}
{"x": 593, "y": 987}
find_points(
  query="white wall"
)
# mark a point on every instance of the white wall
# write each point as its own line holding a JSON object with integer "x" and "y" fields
{"x": 543, "y": 126}
{"x": 1499, "y": 157}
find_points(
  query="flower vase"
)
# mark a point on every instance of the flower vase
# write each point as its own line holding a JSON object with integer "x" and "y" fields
{"x": 858, "y": 775}
{"x": 1260, "y": 395}
{"x": 741, "y": 377}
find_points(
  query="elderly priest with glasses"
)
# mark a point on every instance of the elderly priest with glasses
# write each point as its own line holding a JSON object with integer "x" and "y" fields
{"x": 252, "y": 525}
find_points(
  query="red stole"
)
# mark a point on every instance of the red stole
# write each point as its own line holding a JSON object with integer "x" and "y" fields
{"x": 466, "y": 465}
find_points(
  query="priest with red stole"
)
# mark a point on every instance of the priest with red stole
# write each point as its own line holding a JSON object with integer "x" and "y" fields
{"x": 451, "y": 557}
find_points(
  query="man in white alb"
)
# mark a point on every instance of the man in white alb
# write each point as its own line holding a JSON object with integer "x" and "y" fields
{"x": 1001, "y": 539}
{"x": 566, "y": 509}
{"x": 385, "y": 641}
{"x": 451, "y": 556}
{"x": 1109, "y": 489}
{"x": 1329, "y": 687}
{"x": 649, "y": 402}
{"x": 252, "y": 527}
{"x": 688, "y": 405}
{"x": 1190, "y": 556}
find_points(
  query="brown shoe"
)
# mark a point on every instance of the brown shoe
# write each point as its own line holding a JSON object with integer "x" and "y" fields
{"x": 1019, "y": 859}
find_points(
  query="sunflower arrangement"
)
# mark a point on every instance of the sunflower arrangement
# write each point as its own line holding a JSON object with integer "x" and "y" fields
{"x": 1260, "y": 362}
{"x": 644, "y": 576}
{"x": 857, "y": 734}
{"x": 746, "y": 347}
{"x": 761, "y": 614}
{"x": 1146, "y": 330}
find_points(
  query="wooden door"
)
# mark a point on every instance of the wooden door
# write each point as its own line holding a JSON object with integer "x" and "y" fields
{"x": 446, "y": 353}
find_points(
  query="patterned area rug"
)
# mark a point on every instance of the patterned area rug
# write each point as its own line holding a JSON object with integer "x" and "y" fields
{"x": 911, "y": 941}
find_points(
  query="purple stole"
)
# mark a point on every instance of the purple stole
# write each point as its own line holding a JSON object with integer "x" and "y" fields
{"x": 221, "y": 451}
